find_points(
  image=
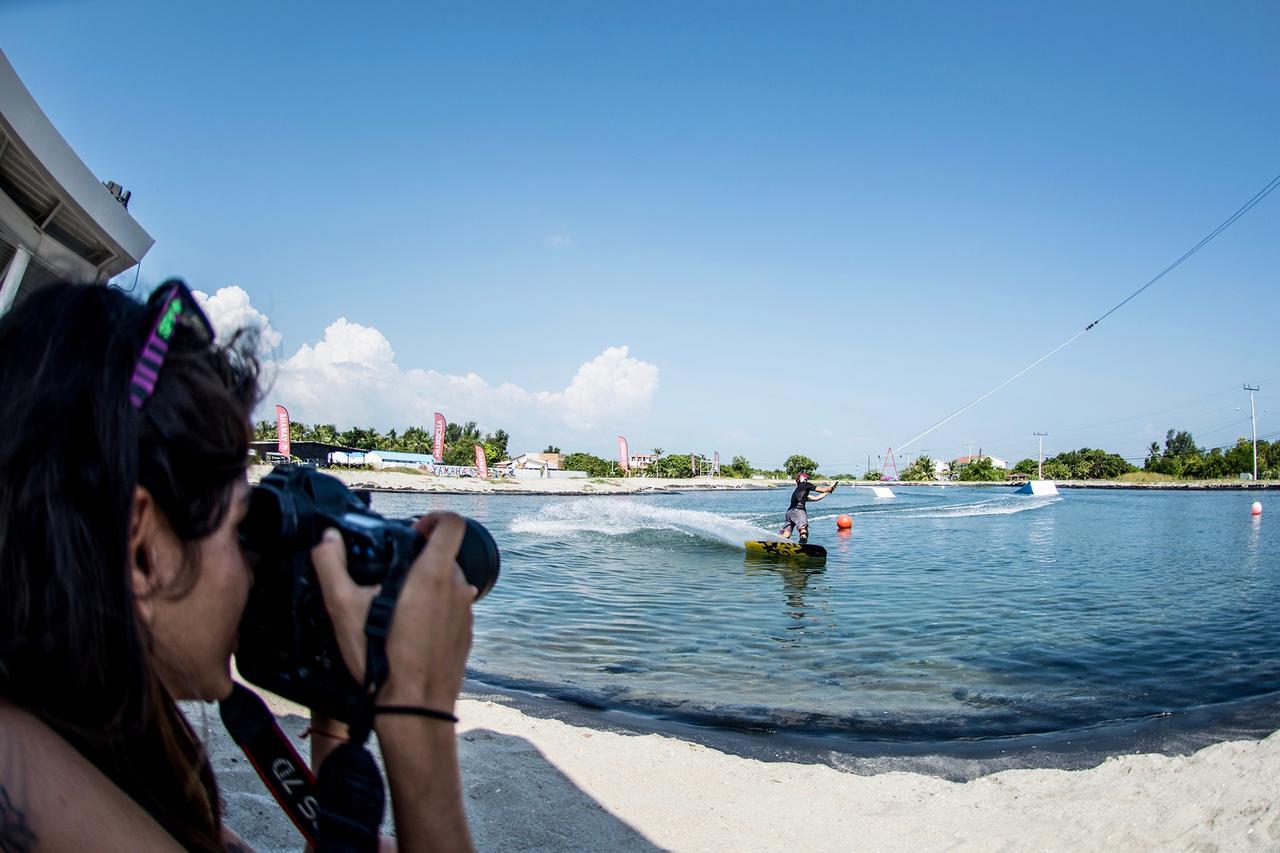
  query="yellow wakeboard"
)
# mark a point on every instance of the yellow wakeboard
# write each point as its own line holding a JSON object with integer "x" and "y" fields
{"x": 786, "y": 549}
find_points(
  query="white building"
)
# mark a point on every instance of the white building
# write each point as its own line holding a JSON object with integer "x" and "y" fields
{"x": 58, "y": 221}
{"x": 532, "y": 462}
{"x": 996, "y": 461}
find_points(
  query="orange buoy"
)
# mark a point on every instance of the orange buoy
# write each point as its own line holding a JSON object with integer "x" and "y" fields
{"x": 1256, "y": 509}
{"x": 844, "y": 522}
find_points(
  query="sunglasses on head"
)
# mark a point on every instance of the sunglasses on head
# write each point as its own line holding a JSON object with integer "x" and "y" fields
{"x": 171, "y": 307}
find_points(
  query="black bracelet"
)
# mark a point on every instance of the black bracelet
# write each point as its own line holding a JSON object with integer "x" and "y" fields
{"x": 415, "y": 711}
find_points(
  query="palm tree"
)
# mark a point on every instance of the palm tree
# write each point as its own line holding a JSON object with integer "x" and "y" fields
{"x": 921, "y": 469}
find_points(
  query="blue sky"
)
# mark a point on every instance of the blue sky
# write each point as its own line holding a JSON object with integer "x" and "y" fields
{"x": 748, "y": 228}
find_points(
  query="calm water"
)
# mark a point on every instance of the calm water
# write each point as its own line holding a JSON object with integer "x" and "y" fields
{"x": 947, "y": 613}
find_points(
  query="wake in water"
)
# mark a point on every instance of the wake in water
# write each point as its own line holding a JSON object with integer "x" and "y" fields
{"x": 1002, "y": 505}
{"x": 616, "y": 517}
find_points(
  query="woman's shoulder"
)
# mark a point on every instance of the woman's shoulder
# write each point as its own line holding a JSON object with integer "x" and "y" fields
{"x": 52, "y": 797}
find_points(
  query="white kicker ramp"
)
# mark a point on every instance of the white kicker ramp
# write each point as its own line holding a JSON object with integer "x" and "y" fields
{"x": 1038, "y": 487}
{"x": 885, "y": 491}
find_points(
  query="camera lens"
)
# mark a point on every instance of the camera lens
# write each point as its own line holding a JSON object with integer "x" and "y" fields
{"x": 478, "y": 557}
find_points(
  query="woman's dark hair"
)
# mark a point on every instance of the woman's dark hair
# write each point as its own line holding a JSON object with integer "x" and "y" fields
{"x": 72, "y": 651}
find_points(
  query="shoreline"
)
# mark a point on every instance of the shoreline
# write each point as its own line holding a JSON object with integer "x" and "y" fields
{"x": 399, "y": 481}
{"x": 549, "y": 783}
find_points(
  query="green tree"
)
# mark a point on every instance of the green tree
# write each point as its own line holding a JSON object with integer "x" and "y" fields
{"x": 981, "y": 469}
{"x": 739, "y": 467}
{"x": 328, "y": 433}
{"x": 593, "y": 465}
{"x": 1180, "y": 457}
{"x": 416, "y": 439}
{"x": 675, "y": 467}
{"x": 1180, "y": 443}
{"x": 1090, "y": 464}
{"x": 365, "y": 438}
{"x": 460, "y": 442}
{"x": 497, "y": 440}
{"x": 797, "y": 463}
{"x": 1239, "y": 459}
{"x": 1027, "y": 466}
{"x": 921, "y": 469}
{"x": 551, "y": 448}
{"x": 264, "y": 431}
{"x": 1055, "y": 470}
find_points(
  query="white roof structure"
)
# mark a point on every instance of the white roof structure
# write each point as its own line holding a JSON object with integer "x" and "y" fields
{"x": 58, "y": 222}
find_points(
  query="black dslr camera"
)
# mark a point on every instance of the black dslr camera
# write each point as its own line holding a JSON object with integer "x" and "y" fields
{"x": 287, "y": 644}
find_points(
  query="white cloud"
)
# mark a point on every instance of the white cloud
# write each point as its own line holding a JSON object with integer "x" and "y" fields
{"x": 558, "y": 241}
{"x": 351, "y": 378}
{"x": 229, "y": 311}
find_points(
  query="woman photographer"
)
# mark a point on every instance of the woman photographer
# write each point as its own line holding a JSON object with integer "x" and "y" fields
{"x": 122, "y": 583}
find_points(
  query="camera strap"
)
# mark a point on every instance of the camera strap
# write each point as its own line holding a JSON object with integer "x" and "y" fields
{"x": 288, "y": 778}
{"x": 351, "y": 794}
{"x": 341, "y": 812}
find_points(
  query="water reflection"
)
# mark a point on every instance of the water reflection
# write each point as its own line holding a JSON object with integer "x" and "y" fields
{"x": 1042, "y": 540}
{"x": 795, "y": 576}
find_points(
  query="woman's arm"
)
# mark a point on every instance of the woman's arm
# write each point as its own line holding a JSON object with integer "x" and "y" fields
{"x": 427, "y": 650}
{"x": 53, "y": 798}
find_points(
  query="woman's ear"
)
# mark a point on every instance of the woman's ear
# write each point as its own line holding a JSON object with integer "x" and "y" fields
{"x": 143, "y": 529}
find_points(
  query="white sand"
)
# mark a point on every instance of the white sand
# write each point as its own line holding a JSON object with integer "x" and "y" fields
{"x": 542, "y": 784}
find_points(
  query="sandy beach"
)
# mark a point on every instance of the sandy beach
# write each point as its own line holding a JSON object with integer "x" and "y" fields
{"x": 533, "y": 783}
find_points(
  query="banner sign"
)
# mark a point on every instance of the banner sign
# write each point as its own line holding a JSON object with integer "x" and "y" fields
{"x": 481, "y": 462}
{"x": 624, "y": 458}
{"x": 693, "y": 463}
{"x": 438, "y": 450}
{"x": 282, "y": 430}
{"x": 715, "y": 463}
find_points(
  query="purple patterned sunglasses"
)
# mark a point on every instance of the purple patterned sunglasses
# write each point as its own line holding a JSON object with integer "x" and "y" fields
{"x": 174, "y": 306}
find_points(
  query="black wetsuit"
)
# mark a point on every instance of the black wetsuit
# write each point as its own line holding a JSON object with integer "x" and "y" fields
{"x": 800, "y": 496}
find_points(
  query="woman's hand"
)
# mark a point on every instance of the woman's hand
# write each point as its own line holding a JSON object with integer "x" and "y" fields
{"x": 427, "y": 654}
{"x": 431, "y": 627}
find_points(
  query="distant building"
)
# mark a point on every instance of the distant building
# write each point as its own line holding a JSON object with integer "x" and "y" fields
{"x": 996, "y": 461}
{"x": 397, "y": 459}
{"x": 643, "y": 460}
{"x": 532, "y": 462}
{"x": 318, "y": 453}
{"x": 58, "y": 221}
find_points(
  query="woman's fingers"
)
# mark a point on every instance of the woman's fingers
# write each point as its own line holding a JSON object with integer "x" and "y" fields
{"x": 428, "y": 651}
{"x": 346, "y": 602}
{"x": 431, "y": 631}
{"x": 444, "y": 532}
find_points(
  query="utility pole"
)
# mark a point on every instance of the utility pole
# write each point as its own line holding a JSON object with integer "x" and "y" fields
{"x": 1253, "y": 417}
{"x": 1040, "y": 474}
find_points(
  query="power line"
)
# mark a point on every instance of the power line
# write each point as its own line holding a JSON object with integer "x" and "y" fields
{"x": 1245, "y": 208}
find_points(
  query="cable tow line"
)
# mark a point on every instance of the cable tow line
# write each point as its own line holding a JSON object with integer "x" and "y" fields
{"x": 1204, "y": 241}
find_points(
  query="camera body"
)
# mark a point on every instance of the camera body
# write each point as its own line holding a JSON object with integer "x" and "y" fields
{"x": 287, "y": 643}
